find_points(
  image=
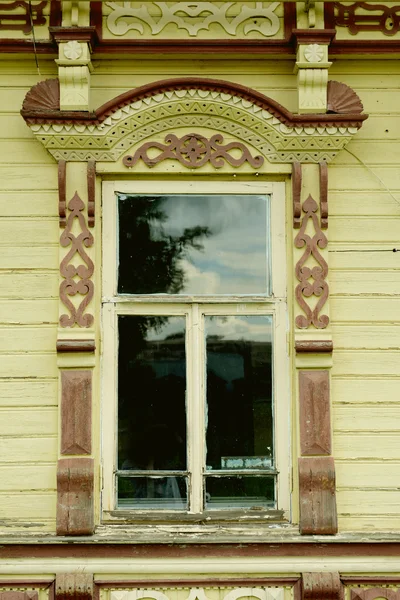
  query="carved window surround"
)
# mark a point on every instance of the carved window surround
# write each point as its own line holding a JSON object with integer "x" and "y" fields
{"x": 193, "y": 124}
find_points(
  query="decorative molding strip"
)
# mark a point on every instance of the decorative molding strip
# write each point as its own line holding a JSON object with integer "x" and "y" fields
{"x": 323, "y": 193}
{"x": 341, "y": 99}
{"x": 62, "y": 194}
{"x": 75, "y": 34}
{"x": 91, "y": 179}
{"x": 311, "y": 278}
{"x": 76, "y": 411}
{"x": 74, "y": 586}
{"x": 315, "y": 413}
{"x": 33, "y": 16}
{"x": 317, "y": 495}
{"x": 84, "y": 286}
{"x": 75, "y": 484}
{"x": 194, "y": 151}
{"x": 75, "y": 345}
{"x": 375, "y": 592}
{"x": 200, "y": 593}
{"x": 158, "y": 108}
{"x": 322, "y": 586}
{"x": 315, "y": 346}
{"x": 296, "y": 193}
{"x": 193, "y": 17}
{"x": 354, "y": 18}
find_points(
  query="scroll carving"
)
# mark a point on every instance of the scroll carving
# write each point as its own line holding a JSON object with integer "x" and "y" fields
{"x": 76, "y": 277}
{"x": 194, "y": 151}
{"x": 387, "y": 21}
{"x": 311, "y": 278}
{"x": 193, "y": 17}
{"x": 33, "y": 16}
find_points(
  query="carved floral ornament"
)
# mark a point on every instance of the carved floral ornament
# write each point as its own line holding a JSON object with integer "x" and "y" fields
{"x": 191, "y": 18}
{"x": 263, "y": 127}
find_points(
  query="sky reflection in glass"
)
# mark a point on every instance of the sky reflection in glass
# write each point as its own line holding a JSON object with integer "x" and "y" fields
{"x": 193, "y": 244}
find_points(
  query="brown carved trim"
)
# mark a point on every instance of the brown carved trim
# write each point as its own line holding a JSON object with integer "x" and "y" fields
{"x": 75, "y": 482}
{"x": 55, "y": 13}
{"x": 38, "y": 115}
{"x": 388, "y": 22}
{"x": 296, "y": 193}
{"x": 96, "y": 18}
{"x": 80, "y": 34}
{"x": 18, "y": 595}
{"x": 84, "y": 286}
{"x": 91, "y": 181}
{"x": 311, "y": 278}
{"x": 76, "y": 412}
{"x": 342, "y": 99}
{"x": 194, "y": 151}
{"x": 315, "y": 346}
{"x": 22, "y": 22}
{"x": 74, "y": 586}
{"x": 375, "y": 592}
{"x": 313, "y": 36}
{"x": 384, "y": 579}
{"x": 315, "y": 412}
{"x": 75, "y": 346}
{"x": 323, "y": 193}
{"x": 43, "y": 97}
{"x": 317, "y": 495}
{"x": 322, "y": 586}
{"x": 370, "y": 47}
{"x": 103, "y": 547}
{"x": 62, "y": 195}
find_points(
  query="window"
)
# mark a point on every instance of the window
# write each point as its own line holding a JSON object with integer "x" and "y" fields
{"x": 195, "y": 373}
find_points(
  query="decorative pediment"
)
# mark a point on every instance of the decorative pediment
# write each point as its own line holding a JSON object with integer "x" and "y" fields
{"x": 149, "y": 113}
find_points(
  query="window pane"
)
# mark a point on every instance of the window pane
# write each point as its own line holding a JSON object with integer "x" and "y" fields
{"x": 193, "y": 244}
{"x": 152, "y": 492}
{"x": 151, "y": 393}
{"x": 239, "y": 392}
{"x": 240, "y": 492}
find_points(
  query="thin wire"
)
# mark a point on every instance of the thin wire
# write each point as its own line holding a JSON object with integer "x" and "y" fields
{"x": 378, "y": 250}
{"x": 33, "y": 39}
{"x": 374, "y": 174}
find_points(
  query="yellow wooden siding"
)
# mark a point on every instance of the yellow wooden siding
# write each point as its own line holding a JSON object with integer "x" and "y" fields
{"x": 28, "y": 312}
{"x": 364, "y": 277}
{"x": 365, "y": 287}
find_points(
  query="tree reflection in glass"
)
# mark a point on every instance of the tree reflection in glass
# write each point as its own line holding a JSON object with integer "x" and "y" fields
{"x": 193, "y": 244}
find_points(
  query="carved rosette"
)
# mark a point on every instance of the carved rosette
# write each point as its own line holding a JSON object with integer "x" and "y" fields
{"x": 311, "y": 276}
{"x": 76, "y": 267}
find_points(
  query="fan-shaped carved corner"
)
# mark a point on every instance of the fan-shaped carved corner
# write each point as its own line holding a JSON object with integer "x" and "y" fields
{"x": 43, "y": 97}
{"x": 188, "y": 104}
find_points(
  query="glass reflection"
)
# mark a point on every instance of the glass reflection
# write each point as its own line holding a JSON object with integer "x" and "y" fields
{"x": 151, "y": 393}
{"x": 240, "y": 492}
{"x": 193, "y": 244}
{"x": 239, "y": 392}
{"x": 152, "y": 492}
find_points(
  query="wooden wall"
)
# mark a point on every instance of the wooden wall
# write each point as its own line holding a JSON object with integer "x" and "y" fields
{"x": 365, "y": 304}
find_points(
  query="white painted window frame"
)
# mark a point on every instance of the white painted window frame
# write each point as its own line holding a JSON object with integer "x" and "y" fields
{"x": 275, "y": 305}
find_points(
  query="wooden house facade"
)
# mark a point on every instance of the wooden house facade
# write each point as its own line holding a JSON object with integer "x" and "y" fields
{"x": 199, "y": 300}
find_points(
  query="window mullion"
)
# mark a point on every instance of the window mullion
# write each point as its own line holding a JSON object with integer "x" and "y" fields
{"x": 195, "y": 410}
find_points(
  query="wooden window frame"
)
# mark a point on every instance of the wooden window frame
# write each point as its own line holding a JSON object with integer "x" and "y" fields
{"x": 274, "y": 304}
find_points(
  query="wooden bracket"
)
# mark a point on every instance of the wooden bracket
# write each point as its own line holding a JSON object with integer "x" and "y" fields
{"x": 322, "y": 586}
{"x": 75, "y": 484}
{"x": 74, "y": 586}
{"x": 317, "y": 495}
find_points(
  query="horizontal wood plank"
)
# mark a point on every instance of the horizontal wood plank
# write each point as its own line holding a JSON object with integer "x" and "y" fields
{"x": 28, "y": 421}
{"x": 360, "y": 390}
{"x": 28, "y": 365}
{"x": 28, "y": 392}
{"x": 367, "y": 310}
{"x": 367, "y": 475}
{"x": 366, "y": 417}
{"x": 378, "y": 446}
{"x": 29, "y": 312}
{"x": 28, "y": 450}
{"x": 366, "y": 336}
{"x": 32, "y": 478}
{"x": 27, "y": 284}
